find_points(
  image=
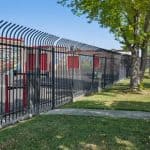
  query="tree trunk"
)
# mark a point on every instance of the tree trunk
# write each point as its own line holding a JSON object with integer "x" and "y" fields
{"x": 135, "y": 70}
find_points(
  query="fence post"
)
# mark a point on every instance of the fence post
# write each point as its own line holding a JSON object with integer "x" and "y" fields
{"x": 105, "y": 65}
{"x": 112, "y": 64}
{"x": 34, "y": 79}
{"x": 93, "y": 72}
{"x": 24, "y": 91}
{"x": 72, "y": 50}
{"x": 38, "y": 72}
{"x": 99, "y": 75}
{"x": 53, "y": 77}
{"x": 7, "y": 103}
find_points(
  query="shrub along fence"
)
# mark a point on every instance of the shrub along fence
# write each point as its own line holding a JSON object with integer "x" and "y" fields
{"x": 40, "y": 71}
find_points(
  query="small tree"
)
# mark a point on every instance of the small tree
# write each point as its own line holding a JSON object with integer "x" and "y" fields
{"x": 128, "y": 20}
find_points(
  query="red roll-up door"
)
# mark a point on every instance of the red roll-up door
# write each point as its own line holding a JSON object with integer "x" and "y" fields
{"x": 31, "y": 62}
{"x": 96, "y": 62}
{"x": 43, "y": 62}
{"x": 73, "y": 62}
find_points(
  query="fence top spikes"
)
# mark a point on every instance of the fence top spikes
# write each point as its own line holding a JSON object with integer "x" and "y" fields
{"x": 33, "y": 37}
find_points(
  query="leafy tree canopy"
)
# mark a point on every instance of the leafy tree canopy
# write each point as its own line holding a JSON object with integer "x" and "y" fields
{"x": 129, "y": 20}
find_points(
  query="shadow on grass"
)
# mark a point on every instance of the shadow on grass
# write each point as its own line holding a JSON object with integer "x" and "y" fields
{"x": 131, "y": 105}
{"x": 77, "y": 133}
{"x": 115, "y": 91}
{"x": 147, "y": 77}
{"x": 121, "y": 88}
{"x": 116, "y": 105}
{"x": 107, "y": 94}
{"x": 146, "y": 85}
{"x": 146, "y": 82}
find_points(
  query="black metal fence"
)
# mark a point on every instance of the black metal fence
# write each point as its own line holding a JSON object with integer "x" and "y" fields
{"x": 39, "y": 71}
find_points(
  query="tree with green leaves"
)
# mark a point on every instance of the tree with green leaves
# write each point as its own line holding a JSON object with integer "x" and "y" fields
{"x": 128, "y": 20}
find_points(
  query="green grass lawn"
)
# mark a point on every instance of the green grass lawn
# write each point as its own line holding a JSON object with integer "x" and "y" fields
{"x": 77, "y": 133}
{"x": 116, "y": 97}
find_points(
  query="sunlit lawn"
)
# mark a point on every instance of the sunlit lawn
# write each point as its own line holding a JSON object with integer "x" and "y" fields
{"x": 77, "y": 133}
{"x": 52, "y": 132}
{"x": 116, "y": 97}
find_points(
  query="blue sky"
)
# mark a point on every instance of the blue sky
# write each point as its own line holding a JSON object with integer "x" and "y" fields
{"x": 48, "y": 16}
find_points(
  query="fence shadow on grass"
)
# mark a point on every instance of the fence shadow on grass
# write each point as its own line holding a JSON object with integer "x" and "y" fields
{"x": 115, "y": 105}
{"x": 123, "y": 88}
{"x": 76, "y": 132}
{"x": 120, "y": 88}
{"x": 131, "y": 105}
{"x": 117, "y": 97}
{"x": 146, "y": 85}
